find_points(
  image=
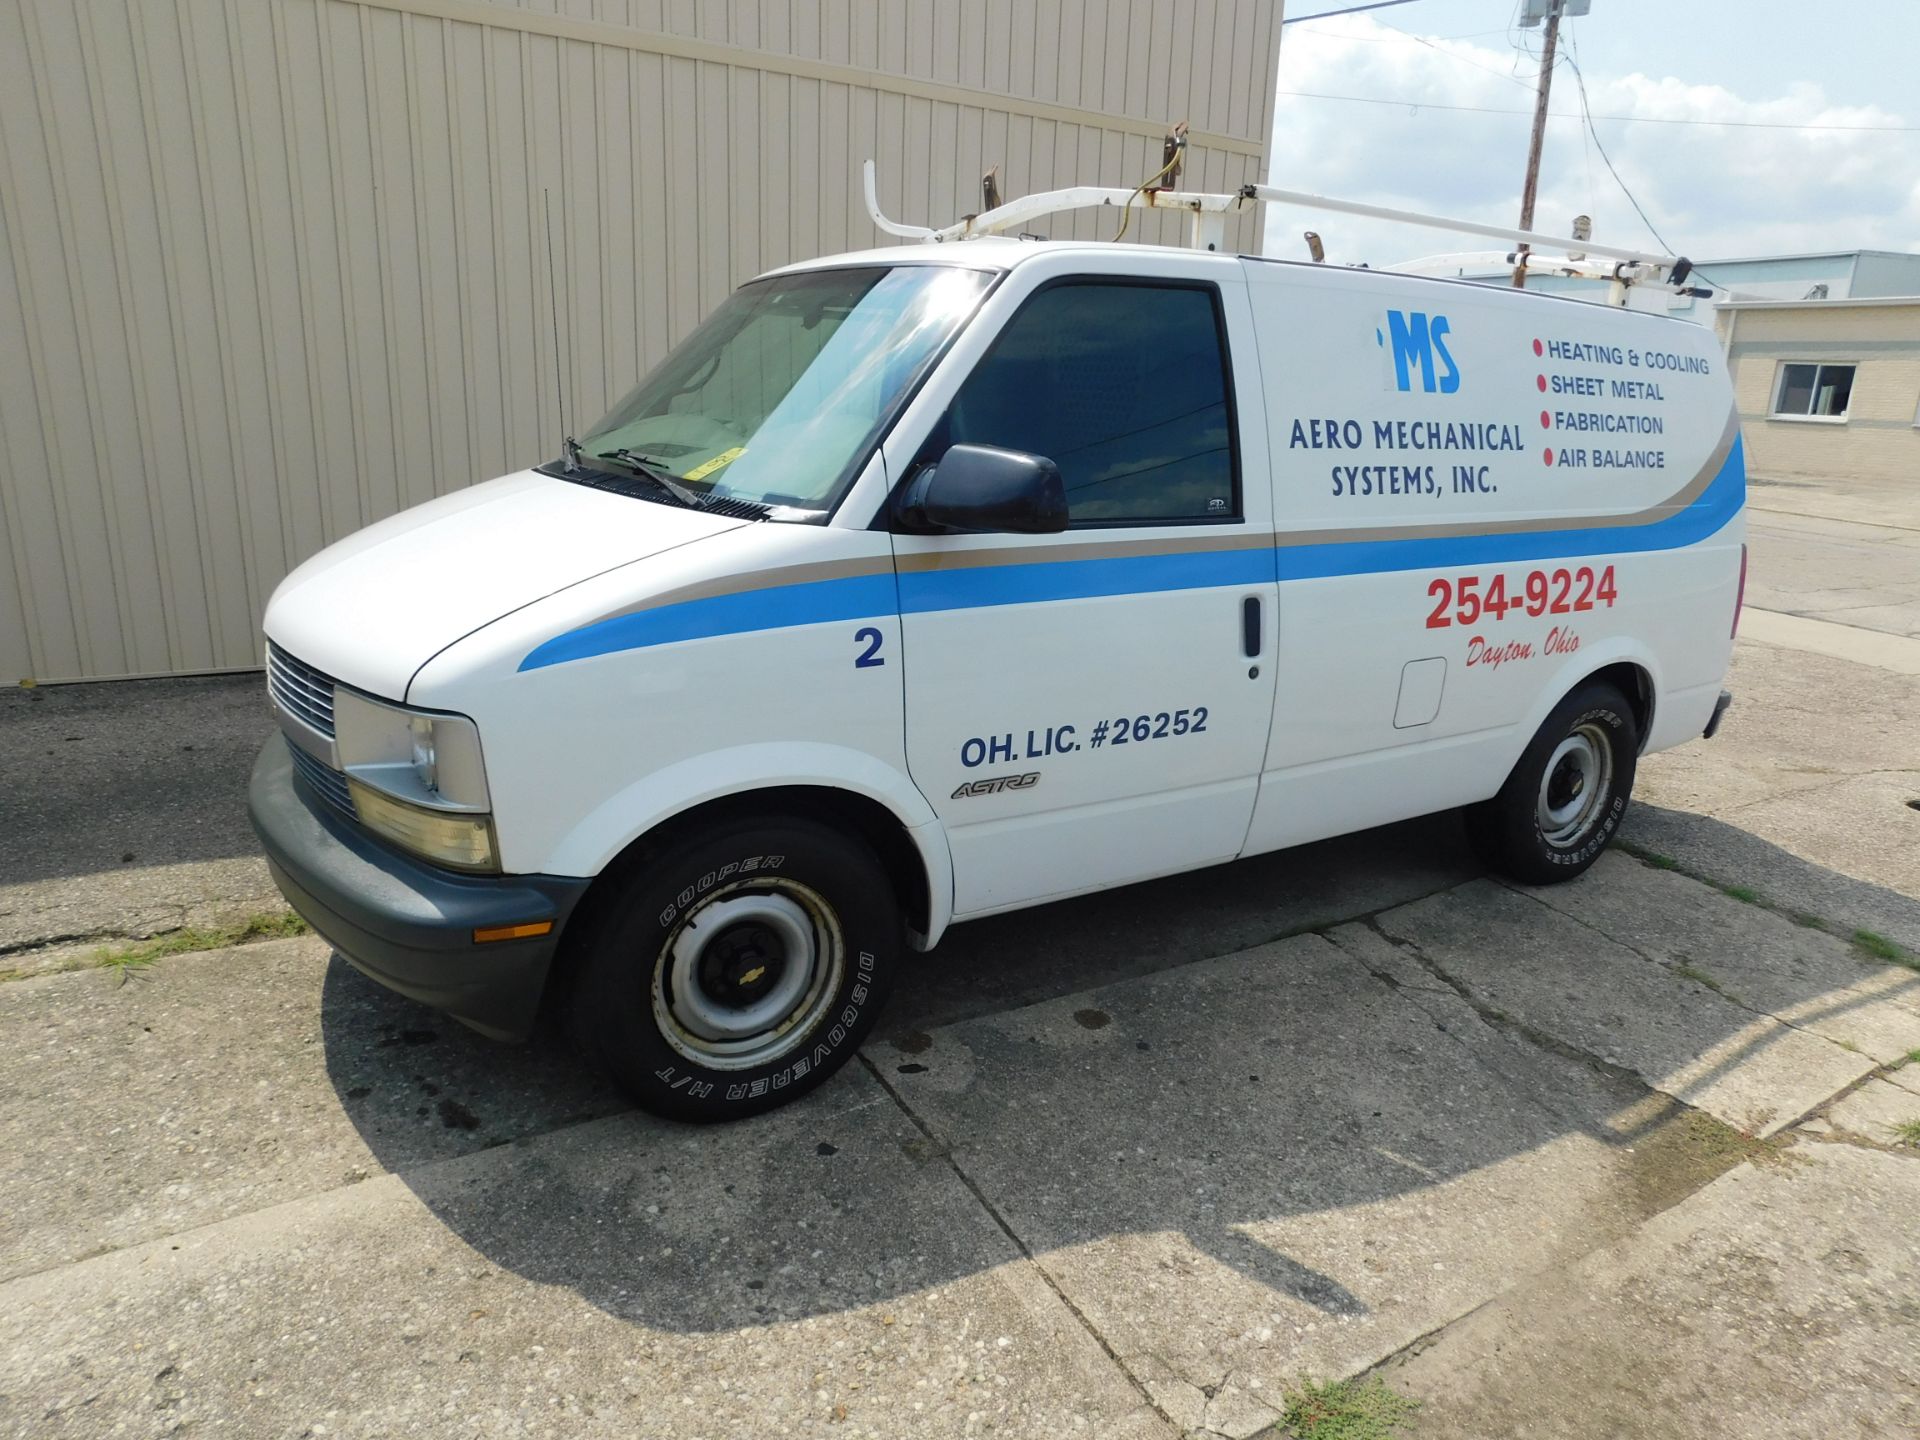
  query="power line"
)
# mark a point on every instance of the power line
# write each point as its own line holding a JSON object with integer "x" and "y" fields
{"x": 1573, "y": 63}
{"x": 1454, "y": 55}
{"x": 1625, "y": 119}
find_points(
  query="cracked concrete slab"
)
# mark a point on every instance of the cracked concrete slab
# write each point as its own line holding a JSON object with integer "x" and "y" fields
{"x": 1729, "y": 855}
{"x": 133, "y": 818}
{"x": 1261, "y": 1165}
{"x": 1779, "y": 1301}
{"x": 1758, "y": 958}
{"x": 1784, "y": 735}
{"x": 1863, "y": 823}
{"x": 1520, "y": 958}
{"x": 812, "y": 1273}
{"x": 1878, "y": 1111}
{"x": 215, "y": 1084}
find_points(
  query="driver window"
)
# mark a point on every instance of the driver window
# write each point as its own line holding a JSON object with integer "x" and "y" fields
{"x": 1124, "y": 387}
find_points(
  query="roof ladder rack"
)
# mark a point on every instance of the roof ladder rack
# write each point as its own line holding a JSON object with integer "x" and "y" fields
{"x": 1207, "y": 214}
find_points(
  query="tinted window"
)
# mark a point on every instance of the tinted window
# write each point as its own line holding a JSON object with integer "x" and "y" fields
{"x": 1124, "y": 387}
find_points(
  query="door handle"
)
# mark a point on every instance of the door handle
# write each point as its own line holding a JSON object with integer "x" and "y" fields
{"x": 1250, "y": 626}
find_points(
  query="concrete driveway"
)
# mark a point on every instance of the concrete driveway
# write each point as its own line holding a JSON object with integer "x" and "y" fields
{"x": 1619, "y": 1158}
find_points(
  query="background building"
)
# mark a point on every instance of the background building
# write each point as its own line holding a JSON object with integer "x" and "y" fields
{"x": 1827, "y": 388}
{"x": 273, "y": 269}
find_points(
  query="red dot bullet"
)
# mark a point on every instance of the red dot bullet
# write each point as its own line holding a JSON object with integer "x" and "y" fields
{"x": 1538, "y": 348}
{"x": 1546, "y": 421}
{"x": 1547, "y": 455}
{"x": 1541, "y": 380}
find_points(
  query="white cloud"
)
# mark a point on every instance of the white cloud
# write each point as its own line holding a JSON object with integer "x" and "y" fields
{"x": 1713, "y": 191}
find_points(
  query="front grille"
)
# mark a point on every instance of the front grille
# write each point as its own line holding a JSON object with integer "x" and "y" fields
{"x": 300, "y": 689}
{"x": 329, "y": 784}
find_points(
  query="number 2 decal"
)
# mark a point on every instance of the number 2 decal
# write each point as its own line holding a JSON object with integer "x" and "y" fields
{"x": 870, "y": 656}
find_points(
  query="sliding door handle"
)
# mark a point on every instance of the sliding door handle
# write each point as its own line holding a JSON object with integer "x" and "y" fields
{"x": 1250, "y": 626}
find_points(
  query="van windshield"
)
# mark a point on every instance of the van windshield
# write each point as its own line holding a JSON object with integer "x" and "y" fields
{"x": 780, "y": 392}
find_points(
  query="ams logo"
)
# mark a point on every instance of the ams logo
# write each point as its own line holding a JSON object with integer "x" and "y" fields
{"x": 1419, "y": 345}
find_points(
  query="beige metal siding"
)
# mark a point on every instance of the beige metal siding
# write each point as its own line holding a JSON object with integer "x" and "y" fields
{"x": 273, "y": 269}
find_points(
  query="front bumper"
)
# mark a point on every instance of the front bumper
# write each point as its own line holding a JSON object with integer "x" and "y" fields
{"x": 403, "y": 922}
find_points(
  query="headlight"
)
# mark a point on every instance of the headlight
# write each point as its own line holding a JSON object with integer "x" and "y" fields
{"x": 417, "y": 777}
{"x": 462, "y": 842}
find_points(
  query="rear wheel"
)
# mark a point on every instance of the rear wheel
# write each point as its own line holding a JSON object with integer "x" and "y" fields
{"x": 1566, "y": 797}
{"x": 738, "y": 968}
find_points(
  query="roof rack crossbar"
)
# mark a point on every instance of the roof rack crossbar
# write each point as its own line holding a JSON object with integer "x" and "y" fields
{"x": 1203, "y": 233}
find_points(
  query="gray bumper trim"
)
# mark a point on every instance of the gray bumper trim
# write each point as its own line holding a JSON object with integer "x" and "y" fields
{"x": 407, "y": 924}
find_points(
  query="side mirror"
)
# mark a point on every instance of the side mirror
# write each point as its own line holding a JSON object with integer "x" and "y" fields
{"x": 984, "y": 488}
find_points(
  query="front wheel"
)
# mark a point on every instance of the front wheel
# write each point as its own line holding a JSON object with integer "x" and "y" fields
{"x": 1566, "y": 797}
{"x": 738, "y": 969}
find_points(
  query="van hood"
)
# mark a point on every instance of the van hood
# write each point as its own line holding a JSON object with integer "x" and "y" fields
{"x": 374, "y": 608}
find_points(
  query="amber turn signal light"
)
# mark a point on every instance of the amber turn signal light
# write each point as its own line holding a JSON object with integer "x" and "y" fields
{"x": 512, "y": 932}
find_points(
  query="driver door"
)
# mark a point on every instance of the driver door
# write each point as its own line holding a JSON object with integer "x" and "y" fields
{"x": 1091, "y": 707}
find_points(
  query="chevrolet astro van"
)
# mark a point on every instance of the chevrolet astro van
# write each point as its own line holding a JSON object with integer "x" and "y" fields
{"x": 931, "y": 582}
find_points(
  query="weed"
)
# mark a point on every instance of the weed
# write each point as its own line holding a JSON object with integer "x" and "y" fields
{"x": 1912, "y": 1057}
{"x": 1345, "y": 1410}
{"x": 1746, "y": 894}
{"x": 1850, "y": 1045}
{"x": 1697, "y": 975}
{"x": 1657, "y": 860}
{"x": 1879, "y": 947}
{"x": 1907, "y": 1133}
{"x": 138, "y": 956}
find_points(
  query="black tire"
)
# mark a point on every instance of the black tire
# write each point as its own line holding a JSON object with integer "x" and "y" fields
{"x": 1591, "y": 742}
{"x": 649, "y": 979}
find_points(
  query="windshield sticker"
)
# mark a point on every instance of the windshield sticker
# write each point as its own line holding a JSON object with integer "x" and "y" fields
{"x": 725, "y": 457}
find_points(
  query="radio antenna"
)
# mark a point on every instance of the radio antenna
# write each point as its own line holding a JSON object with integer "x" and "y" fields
{"x": 553, "y": 305}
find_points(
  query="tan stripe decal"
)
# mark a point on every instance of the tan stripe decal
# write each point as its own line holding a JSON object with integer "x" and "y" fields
{"x": 1087, "y": 550}
{"x": 759, "y": 580}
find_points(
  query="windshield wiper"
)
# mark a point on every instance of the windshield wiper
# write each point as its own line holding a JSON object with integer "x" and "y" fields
{"x": 650, "y": 470}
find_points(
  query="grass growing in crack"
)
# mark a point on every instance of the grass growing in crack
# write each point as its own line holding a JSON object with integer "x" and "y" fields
{"x": 1345, "y": 1410}
{"x": 129, "y": 959}
{"x": 1907, "y": 1133}
{"x": 1699, "y": 976}
{"x": 1912, "y": 1057}
{"x": 1881, "y": 948}
{"x": 1746, "y": 894}
{"x": 1656, "y": 859}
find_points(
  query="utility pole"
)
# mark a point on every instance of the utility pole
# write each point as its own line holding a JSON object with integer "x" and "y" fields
{"x": 1539, "y": 137}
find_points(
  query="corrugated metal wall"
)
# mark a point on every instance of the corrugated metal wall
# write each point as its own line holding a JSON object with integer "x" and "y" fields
{"x": 274, "y": 269}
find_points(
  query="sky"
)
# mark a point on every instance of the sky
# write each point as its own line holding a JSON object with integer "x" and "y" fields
{"x": 1712, "y": 191}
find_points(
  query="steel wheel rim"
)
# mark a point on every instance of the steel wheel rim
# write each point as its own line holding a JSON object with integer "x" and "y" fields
{"x": 1575, "y": 784}
{"x": 746, "y": 974}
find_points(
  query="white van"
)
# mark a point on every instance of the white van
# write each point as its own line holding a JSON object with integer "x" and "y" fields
{"x": 931, "y": 582}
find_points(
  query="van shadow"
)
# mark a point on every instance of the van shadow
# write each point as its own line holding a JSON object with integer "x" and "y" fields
{"x": 1215, "y": 1100}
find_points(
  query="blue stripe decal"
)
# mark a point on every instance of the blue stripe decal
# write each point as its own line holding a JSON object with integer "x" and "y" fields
{"x": 869, "y": 596}
{"x": 857, "y": 597}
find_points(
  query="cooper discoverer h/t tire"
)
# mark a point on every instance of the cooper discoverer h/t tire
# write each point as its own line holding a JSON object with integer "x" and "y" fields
{"x": 1567, "y": 794}
{"x": 738, "y": 968}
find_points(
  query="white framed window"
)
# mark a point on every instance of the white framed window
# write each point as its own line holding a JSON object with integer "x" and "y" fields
{"x": 1806, "y": 391}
